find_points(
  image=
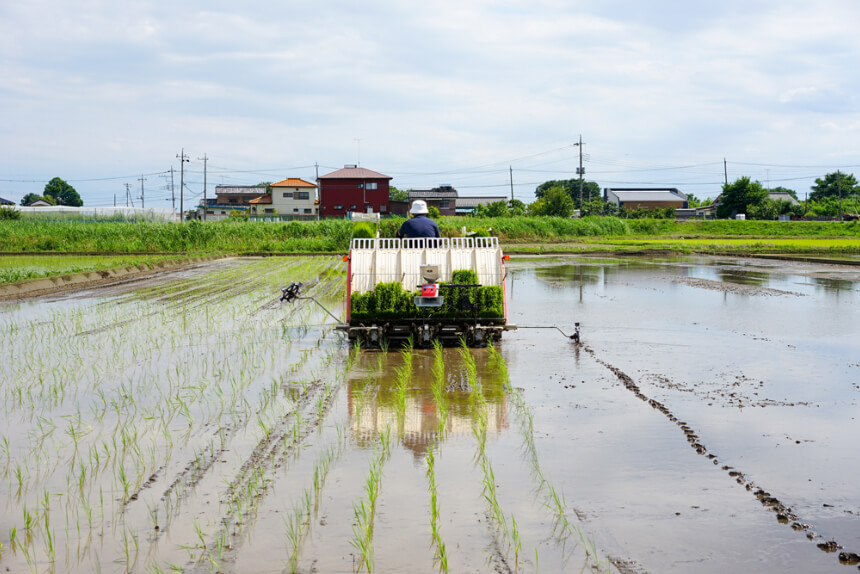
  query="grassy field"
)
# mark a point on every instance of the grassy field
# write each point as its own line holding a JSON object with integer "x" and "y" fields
{"x": 332, "y": 236}
{"x": 19, "y": 268}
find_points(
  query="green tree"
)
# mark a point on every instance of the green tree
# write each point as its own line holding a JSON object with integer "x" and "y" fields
{"x": 433, "y": 212}
{"x": 830, "y": 184}
{"x": 517, "y": 207}
{"x": 555, "y": 202}
{"x": 737, "y": 196}
{"x": 590, "y": 189}
{"x": 395, "y": 194}
{"x": 268, "y": 185}
{"x": 497, "y": 209}
{"x": 825, "y": 207}
{"x": 62, "y": 193}
{"x": 598, "y": 206}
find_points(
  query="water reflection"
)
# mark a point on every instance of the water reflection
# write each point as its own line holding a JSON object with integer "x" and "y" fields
{"x": 374, "y": 403}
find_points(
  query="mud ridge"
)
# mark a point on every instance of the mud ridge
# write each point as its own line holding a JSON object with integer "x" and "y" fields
{"x": 733, "y": 287}
{"x": 784, "y": 514}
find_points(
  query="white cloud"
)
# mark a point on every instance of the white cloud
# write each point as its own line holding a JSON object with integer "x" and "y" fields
{"x": 428, "y": 87}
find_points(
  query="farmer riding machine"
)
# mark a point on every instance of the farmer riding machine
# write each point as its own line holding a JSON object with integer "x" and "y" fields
{"x": 426, "y": 289}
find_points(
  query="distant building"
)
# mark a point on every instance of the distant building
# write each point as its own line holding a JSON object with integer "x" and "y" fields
{"x": 40, "y": 203}
{"x": 443, "y": 198}
{"x": 782, "y": 196}
{"x": 6, "y": 202}
{"x": 237, "y": 194}
{"x": 645, "y": 198}
{"x": 291, "y": 198}
{"x": 229, "y": 199}
{"x": 353, "y": 188}
{"x": 468, "y": 205}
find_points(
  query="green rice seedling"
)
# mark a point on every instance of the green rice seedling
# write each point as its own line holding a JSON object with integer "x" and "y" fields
{"x": 517, "y": 541}
{"x": 438, "y": 385}
{"x": 553, "y": 501}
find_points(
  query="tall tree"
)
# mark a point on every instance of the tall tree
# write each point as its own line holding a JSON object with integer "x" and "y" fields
{"x": 63, "y": 193}
{"x": 555, "y": 202}
{"x": 590, "y": 189}
{"x": 830, "y": 184}
{"x": 738, "y": 195}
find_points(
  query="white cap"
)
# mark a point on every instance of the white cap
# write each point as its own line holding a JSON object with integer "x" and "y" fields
{"x": 419, "y": 207}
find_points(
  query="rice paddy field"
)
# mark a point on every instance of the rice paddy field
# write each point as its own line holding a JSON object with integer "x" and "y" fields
{"x": 191, "y": 422}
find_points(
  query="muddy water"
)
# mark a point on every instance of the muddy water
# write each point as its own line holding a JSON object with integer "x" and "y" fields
{"x": 706, "y": 424}
{"x": 744, "y": 376}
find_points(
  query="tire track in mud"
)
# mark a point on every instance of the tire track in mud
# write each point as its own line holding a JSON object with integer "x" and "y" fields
{"x": 784, "y": 514}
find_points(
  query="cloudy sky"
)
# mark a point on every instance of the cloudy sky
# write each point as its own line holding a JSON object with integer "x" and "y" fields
{"x": 464, "y": 92}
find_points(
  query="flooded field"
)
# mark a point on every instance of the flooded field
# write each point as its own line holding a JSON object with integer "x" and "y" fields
{"x": 191, "y": 422}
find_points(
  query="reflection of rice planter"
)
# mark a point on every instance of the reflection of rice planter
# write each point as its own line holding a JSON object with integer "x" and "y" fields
{"x": 429, "y": 289}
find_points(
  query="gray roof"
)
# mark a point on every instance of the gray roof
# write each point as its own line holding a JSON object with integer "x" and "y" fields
{"x": 781, "y": 196}
{"x": 254, "y": 190}
{"x": 644, "y": 194}
{"x": 435, "y": 193}
{"x": 6, "y": 202}
{"x": 475, "y": 201}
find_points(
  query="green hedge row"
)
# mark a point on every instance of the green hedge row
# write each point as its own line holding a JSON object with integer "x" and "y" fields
{"x": 391, "y": 301}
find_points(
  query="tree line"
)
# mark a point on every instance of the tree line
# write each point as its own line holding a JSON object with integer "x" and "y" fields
{"x": 560, "y": 198}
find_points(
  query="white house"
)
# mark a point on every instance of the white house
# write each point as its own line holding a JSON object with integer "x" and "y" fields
{"x": 291, "y": 198}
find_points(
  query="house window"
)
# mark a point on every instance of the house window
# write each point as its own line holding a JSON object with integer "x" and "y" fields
{"x": 269, "y": 211}
{"x": 383, "y": 208}
{"x": 445, "y": 204}
{"x": 303, "y": 195}
{"x": 295, "y": 210}
{"x": 372, "y": 185}
{"x": 338, "y": 207}
{"x": 288, "y": 194}
{"x": 232, "y": 200}
{"x": 352, "y": 207}
{"x": 307, "y": 210}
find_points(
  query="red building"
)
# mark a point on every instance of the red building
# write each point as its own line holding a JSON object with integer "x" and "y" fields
{"x": 353, "y": 188}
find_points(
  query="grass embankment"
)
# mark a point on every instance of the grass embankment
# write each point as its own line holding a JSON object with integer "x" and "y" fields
{"x": 192, "y": 237}
{"x": 591, "y": 234}
{"x": 19, "y": 268}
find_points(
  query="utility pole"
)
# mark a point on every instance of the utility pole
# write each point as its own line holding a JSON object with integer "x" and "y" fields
{"x": 141, "y": 179}
{"x": 511, "y": 169}
{"x": 182, "y": 159}
{"x": 128, "y": 195}
{"x": 114, "y": 200}
{"x": 839, "y": 187}
{"x": 172, "y": 193}
{"x": 205, "y": 158}
{"x": 319, "y": 192}
{"x": 581, "y": 172}
{"x": 725, "y": 171}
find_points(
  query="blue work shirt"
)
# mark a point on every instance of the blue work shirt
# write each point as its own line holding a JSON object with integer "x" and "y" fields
{"x": 419, "y": 226}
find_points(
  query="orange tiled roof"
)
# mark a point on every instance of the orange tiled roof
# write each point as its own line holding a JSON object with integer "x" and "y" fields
{"x": 293, "y": 182}
{"x": 262, "y": 199}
